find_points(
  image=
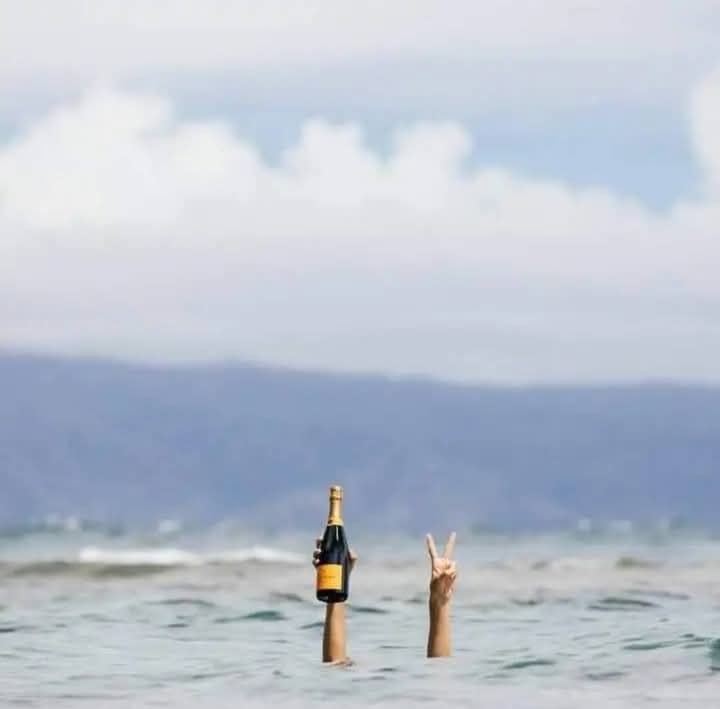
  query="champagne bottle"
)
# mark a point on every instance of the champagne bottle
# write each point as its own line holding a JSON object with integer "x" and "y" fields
{"x": 333, "y": 570}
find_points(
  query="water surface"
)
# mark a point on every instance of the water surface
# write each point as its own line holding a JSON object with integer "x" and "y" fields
{"x": 99, "y": 619}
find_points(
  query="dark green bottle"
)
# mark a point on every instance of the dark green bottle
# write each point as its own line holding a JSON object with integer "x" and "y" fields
{"x": 333, "y": 570}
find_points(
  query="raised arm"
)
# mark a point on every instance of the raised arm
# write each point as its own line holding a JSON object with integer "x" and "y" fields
{"x": 334, "y": 647}
{"x": 442, "y": 581}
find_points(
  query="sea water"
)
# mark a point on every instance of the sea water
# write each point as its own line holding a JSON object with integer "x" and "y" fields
{"x": 227, "y": 618}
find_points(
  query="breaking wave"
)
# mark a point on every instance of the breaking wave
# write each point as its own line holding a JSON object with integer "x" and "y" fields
{"x": 169, "y": 556}
{"x": 102, "y": 562}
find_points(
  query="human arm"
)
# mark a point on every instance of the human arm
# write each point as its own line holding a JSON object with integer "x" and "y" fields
{"x": 443, "y": 573}
{"x": 334, "y": 632}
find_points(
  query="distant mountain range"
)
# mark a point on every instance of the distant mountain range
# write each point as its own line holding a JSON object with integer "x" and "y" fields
{"x": 120, "y": 443}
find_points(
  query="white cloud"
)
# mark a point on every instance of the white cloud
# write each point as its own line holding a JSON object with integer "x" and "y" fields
{"x": 103, "y": 38}
{"x": 127, "y": 231}
{"x": 705, "y": 116}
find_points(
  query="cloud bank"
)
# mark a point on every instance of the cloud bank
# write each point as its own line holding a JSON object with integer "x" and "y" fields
{"x": 106, "y": 37}
{"x": 127, "y": 231}
{"x": 449, "y": 58}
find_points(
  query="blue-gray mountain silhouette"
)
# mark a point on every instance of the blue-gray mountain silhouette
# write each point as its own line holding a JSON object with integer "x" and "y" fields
{"x": 115, "y": 442}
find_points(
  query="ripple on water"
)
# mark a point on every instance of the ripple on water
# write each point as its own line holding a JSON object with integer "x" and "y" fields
{"x": 605, "y": 676}
{"x": 634, "y": 562}
{"x": 690, "y": 640}
{"x": 715, "y": 655}
{"x": 531, "y": 662}
{"x": 288, "y": 597}
{"x": 527, "y": 602}
{"x": 621, "y": 603}
{"x": 99, "y": 618}
{"x": 660, "y": 593}
{"x": 368, "y": 609}
{"x": 196, "y": 602}
{"x": 647, "y": 646}
{"x": 13, "y": 628}
{"x": 416, "y": 599}
{"x": 312, "y": 626}
{"x": 265, "y": 615}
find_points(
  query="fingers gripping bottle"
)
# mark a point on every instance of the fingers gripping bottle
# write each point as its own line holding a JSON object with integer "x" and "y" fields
{"x": 333, "y": 569}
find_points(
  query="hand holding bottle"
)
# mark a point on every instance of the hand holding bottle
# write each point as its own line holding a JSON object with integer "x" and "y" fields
{"x": 333, "y": 564}
{"x": 352, "y": 556}
{"x": 333, "y": 561}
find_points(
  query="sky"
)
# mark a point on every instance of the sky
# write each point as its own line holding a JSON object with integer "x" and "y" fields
{"x": 522, "y": 192}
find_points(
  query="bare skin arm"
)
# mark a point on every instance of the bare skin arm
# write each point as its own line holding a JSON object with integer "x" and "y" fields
{"x": 443, "y": 573}
{"x": 334, "y": 644}
{"x": 334, "y": 648}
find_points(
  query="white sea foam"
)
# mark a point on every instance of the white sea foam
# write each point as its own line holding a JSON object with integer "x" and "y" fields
{"x": 259, "y": 554}
{"x": 170, "y": 556}
{"x": 164, "y": 556}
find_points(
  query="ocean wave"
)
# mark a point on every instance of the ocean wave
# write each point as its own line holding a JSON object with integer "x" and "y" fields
{"x": 169, "y": 556}
{"x": 265, "y": 615}
{"x": 106, "y": 562}
{"x": 135, "y": 557}
{"x": 634, "y": 562}
{"x": 621, "y": 603}
{"x": 586, "y": 564}
{"x": 570, "y": 563}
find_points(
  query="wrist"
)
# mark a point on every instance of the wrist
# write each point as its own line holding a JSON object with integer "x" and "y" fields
{"x": 438, "y": 602}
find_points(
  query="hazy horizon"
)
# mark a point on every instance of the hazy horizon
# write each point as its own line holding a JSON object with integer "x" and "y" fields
{"x": 368, "y": 374}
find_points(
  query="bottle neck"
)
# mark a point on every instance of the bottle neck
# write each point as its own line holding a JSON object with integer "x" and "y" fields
{"x": 335, "y": 515}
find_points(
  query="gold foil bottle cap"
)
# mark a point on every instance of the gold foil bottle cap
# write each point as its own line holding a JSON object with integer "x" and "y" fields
{"x": 336, "y": 496}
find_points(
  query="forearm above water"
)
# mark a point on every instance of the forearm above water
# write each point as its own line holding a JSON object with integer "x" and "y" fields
{"x": 439, "y": 635}
{"x": 334, "y": 645}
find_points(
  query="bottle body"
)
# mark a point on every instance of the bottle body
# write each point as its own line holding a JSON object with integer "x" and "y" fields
{"x": 333, "y": 569}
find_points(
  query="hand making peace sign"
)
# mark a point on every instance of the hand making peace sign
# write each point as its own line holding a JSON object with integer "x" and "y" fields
{"x": 443, "y": 571}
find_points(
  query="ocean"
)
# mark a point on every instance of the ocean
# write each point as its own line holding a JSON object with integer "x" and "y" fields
{"x": 226, "y": 617}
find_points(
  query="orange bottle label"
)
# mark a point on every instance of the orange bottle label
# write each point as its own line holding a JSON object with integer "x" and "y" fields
{"x": 329, "y": 577}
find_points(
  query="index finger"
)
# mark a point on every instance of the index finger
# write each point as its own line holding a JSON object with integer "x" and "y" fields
{"x": 450, "y": 546}
{"x": 431, "y": 547}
